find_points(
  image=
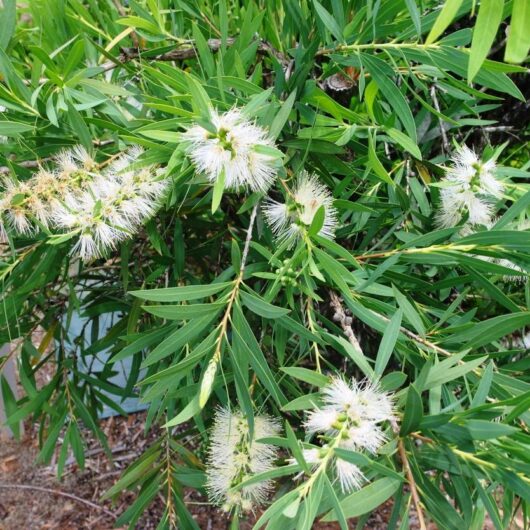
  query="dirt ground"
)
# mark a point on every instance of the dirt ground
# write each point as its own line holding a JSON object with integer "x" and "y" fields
{"x": 31, "y": 497}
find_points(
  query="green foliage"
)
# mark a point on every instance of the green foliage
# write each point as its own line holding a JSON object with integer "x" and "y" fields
{"x": 212, "y": 309}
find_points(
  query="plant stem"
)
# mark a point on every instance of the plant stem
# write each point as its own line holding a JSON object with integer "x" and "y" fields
{"x": 310, "y": 309}
{"x": 235, "y": 291}
{"x": 377, "y": 46}
{"x": 410, "y": 477}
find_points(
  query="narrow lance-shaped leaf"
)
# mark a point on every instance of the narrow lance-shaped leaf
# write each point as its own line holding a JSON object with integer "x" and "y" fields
{"x": 488, "y": 20}
{"x": 518, "y": 42}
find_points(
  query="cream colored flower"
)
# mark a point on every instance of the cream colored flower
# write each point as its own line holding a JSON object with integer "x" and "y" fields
{"x": 231, "y": 151}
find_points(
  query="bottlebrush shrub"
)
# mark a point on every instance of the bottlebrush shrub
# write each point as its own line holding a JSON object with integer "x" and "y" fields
{"x": 309, "y": 233}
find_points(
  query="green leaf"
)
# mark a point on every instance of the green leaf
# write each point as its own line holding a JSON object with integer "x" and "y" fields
{"x": 205, "y": 54}
{"x": 283, "y": 115}
{"x": 8, "y": 19}
{"x": 409, "y": 312}
{"x": 318, "y": 221}
{"x": 328, "y": 21}
{"x": 183, "y": 312}
{"x": 485, "y": 430}
{"x": 518, "y": 42}
{"x": 298, "y": 329}
{"x": 306, "y": 375}
{"x": 405, "y": 142}
{"x": 484, "y": 386}
{"x": 413, "y": 412}
{"x": 381, "y": 73}
{"x": 291, "y": 510}
{"x": 145, "y": 340}
{"x": 514, "y": 210}
{"x": 9, "y": 403}
{"x": 258, "y": 362}
{"x": 163, "y": 136}
{"x": 304, "y": 402}
{"x": 178, "y": 338}
{"x": 334, "y": 269}
{"x": 218, "y": 189}
{"x": 180, "y": 294}
{"x": 273, "y": 473}
{"x": 294, "y": 446}
{"x": 488, "y": 21}
{"x": 356, "y": 355}
{"x": 376, "y": 164}
{"x": 140, "y": 468}
{"x": 439, "y": 375}
{"x": 492, "y": 290}
{"x": 199, "y": 98}
{"x": 192, "y": 408}
{"x": 445, "y": 17}
{"x": 414, "y": 15}
{"x": 80, "y": 128}
{"x": 14, "y": 128}
{"x": 488, "y": 502}
{"x": 261, "y": 307}
{"x": 361, "y": 460}
{"x": 387, "y": 343}
{"x": 485, "y": 332}
{"x": 207, "y": 381}
{"x": 141, "y": 23}
{"x": 235, "y": 254}
{"x": 366, "y": 499}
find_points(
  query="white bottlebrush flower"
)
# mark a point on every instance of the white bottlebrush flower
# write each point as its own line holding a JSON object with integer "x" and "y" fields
{"x": 363, "y": 435}
{"x": 471, "y": 173}
{"x": 74, "y": 165}
{"x": 471, "y": 186}
{"x": 86, "y": 247}
{"x": 374, "y": 405}
{"x": 358, "y": 400}
{"x": 111, "y": 205}
{"x": 82, "y": 156}
{"x": 322, "y": 420}
{"x": 287, "y": 220}
{"x": 349, "y": 475}
{"x": 102, "y": 207}
{"x": 312, "y": 456}
{"x": 235, "y": 456}
{"x": 349, "y": 419}
{"x": 15, "y": 207}
{"x": 83, "y": 214}
{"x": 456, "y": 202}
{"x": 144, "y": 185}
{"x": 231, "y": 149}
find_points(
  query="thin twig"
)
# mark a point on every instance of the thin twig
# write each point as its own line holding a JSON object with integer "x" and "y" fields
{"x": 223, "y": 326}
{"x": 246, "y": 248}
{"x": 60, "y": 493}
{"x": 187, "y": 50}
{"x": 445, "y": 142}
{"x": 410, "y": 477}
{"x": 344, "y": 320}
{"x": 309, "y": 307}
{"x": 122, "y": 12}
